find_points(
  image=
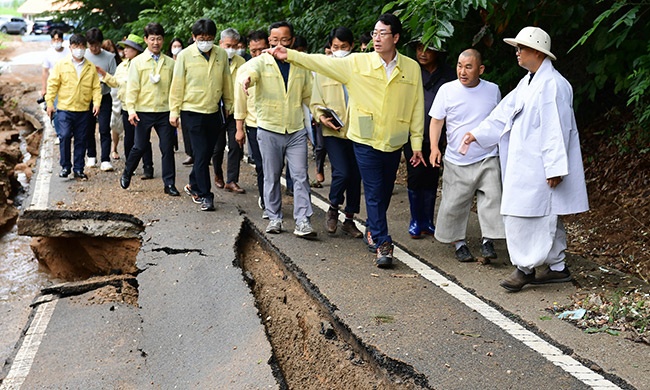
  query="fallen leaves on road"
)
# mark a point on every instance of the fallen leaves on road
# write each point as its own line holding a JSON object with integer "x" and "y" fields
{"x": 465, "y": 333}
{"x": 624, "y": 313}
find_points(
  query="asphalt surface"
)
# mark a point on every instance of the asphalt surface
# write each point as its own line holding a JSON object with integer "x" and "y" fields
{"x": 196, "y": 326}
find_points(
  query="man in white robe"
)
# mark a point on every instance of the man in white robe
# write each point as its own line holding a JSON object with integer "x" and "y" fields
{"x": 541, "y": 163}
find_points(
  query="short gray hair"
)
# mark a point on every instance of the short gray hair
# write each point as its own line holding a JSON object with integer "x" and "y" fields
{"x": 230, "y": 33}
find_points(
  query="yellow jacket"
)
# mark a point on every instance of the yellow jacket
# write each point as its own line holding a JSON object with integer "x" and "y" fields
{"x": 198, "y": 85}
{"x": 118, "y": 80}
{"x": 235, "y": 64}
{"x": 244, "y": 104}
{"x": 75, "y": 92}
{"x": 329, "y": 93}
{"x": 279, "y": 109}
{"x": 383, "y": 112}
{"x": 143, "y": 95}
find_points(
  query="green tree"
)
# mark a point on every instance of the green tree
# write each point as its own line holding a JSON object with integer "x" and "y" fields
{"x": 620, "y": 36}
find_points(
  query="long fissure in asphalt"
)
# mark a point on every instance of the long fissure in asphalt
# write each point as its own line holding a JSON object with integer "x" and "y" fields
{"x": 311, "y": 348}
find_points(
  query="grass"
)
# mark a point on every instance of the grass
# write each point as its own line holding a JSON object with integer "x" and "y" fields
{"x": 9, "y": 11}
{"x": 3, "y": 38}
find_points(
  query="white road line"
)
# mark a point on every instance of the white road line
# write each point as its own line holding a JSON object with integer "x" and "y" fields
{"x": 25, "y": 356}
{"x": 537, "y": 344}
{"x": 41, "y": 186}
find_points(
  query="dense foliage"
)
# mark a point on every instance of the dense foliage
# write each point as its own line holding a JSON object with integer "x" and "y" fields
{"x": 603, "y": 46}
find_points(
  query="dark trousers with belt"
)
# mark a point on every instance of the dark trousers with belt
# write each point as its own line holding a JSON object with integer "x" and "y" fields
{"x": 72, "y": 125}
{"x": 378, "y": 171}
{"x": 160, "y": 122}
{"x": 129, "y": 140}
{"x": 204, "y": 130}
{"x": 104, "y": 120}
{"x": 235, "y": 152}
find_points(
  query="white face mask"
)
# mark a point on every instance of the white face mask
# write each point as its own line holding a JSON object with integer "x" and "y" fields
{"x": 78, "y": 53}
{"x": 176, "y": 50}
{"x": 57, "y": 45}
{"x": 241, "y": 52}
{"x": 204, "y": 46}
{"x": 340, "y": 53}
{"x": 231, "y": 52}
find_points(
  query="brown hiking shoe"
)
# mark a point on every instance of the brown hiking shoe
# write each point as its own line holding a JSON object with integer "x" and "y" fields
{"x": 517, "y": 280}
{"x": 384, "y": 255}
{"x": 548, "y": 276}
{"x": 350, "y": 228}
{"x": 332, "y": 220}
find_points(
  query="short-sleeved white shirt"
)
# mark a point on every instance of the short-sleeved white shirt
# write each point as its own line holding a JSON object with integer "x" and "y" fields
{"x": 52, "y": 57}
{"x": 463, "y": 109}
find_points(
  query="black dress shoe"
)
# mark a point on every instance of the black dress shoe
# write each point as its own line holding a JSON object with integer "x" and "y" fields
{"x": 147, "y": 173}
{"x": 171, "y": 190}
{"x": 125, "y": 180}
{"x": 80, "y": 176}
{"x": 65, "y": 172}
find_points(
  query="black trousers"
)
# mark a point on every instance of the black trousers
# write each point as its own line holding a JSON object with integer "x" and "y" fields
{"x": 421, "y": 177}
{"x": 104, "y": 120}
{"x": 160, "y": 122}
{"x": 251, "y": 133}
{"x": 235, "y": 152}
{"x": 129, "y": 140}
{"x": 204, "y": 130}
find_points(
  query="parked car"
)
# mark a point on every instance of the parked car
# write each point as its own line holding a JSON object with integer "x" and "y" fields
{"x": 12, "y": 25}
{"x": 45, "y": 26}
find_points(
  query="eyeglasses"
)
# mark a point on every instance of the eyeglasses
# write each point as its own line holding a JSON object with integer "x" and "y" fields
{"x": 283, "y": 41}
{"x": 518, "y": 49}
{"x": 381, "y": 33}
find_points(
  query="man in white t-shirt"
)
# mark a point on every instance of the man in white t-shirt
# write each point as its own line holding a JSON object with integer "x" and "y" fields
{"x": 55, "y": 53}
{"x": 463, "y": 104}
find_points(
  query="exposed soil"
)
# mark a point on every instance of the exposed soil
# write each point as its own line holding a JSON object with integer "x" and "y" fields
{"x": 92, "y": 256}
{"x": 310, "y": 349}
{"x": 615, "y": 232}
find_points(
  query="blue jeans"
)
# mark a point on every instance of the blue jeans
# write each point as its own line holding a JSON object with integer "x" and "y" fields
{"x": 72, "y": 125}
{"x": 346, "y": 179}
{"x": 378, "y": 171}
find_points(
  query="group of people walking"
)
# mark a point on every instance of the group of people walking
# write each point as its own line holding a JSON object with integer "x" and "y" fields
{"x": 520, "y": 156}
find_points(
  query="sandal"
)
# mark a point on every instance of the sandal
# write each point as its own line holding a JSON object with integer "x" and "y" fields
{"x": 315, "y": 184}
{"x": 115, "y": 155}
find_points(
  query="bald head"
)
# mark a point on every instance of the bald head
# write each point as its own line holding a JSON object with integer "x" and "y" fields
{"x": 472, "y": 53}
{"x": 470, "y": 68}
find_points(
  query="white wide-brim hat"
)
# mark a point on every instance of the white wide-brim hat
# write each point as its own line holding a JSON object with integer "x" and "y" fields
{"x": 533, "y": 37}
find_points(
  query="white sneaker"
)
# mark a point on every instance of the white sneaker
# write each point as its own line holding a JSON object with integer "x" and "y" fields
{"x": 91, "y": 162}
{"x": 275, "y": 226}
{"x": 106, "y": 166}
{"x": 265, "y": 215}
{"x": 57, "y": 140}
{"x": 260, "y": 203}
{"x": 304, "y": 229}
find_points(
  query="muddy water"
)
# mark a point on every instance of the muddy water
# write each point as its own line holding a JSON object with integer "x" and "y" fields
{"x": 20, "y": 275}
{"x": 21, "y": 279}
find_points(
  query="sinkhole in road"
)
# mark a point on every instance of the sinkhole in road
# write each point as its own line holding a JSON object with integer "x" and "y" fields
{"x": 77, "y": 258}
{"x": 312, "y": 349}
